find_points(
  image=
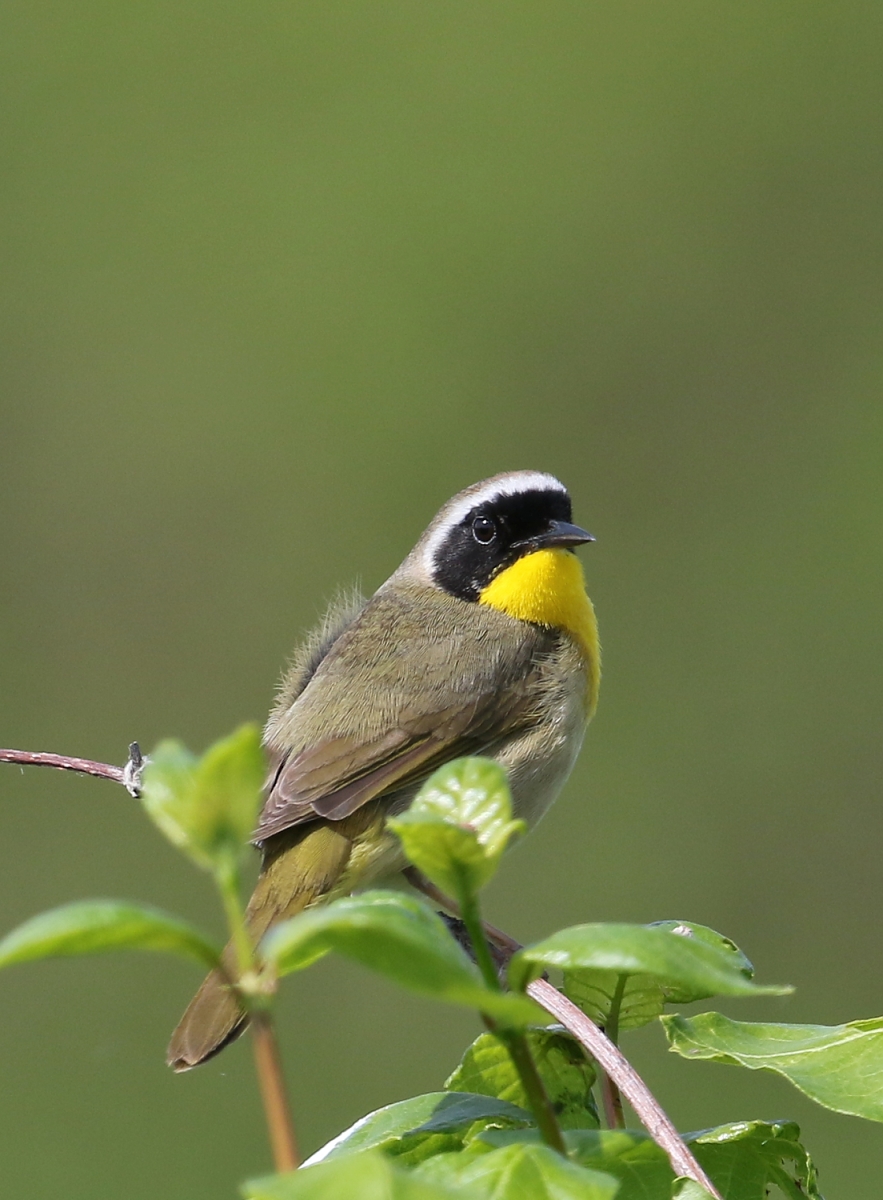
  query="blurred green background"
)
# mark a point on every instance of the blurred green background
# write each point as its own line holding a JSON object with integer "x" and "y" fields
{"x": 279, "y": 278}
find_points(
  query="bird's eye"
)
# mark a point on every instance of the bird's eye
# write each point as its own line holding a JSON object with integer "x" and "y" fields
{"x": 484, "y": 530}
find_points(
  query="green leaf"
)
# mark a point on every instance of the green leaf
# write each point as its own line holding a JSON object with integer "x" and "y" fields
{"x": 368, "y": 1176}
{"x": 166, "y": 791}
{"x": 839, "y": 1066}
{"x": 519, "y": 1172}
{"x": 689, "y": 1189}
{"x": 487, "y": 1068}
{"x": 459, "y": 824}
{"x": 632, "y": 1158}
{"x": 207, "y": 807}
{"x": 402, "y": 938}
{"x": 675, "y": 959}
{"x": 641, "y": 998}
{"x": 748, "y": 1157}
{"x": 743, "y": 1160}
{"x": 99, "y": 926}
{"x": 415, "y": 1129}
{"x": 229, "y": 782}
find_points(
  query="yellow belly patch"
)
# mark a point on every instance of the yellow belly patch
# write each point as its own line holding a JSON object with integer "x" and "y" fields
{"x": 548, "y": 588}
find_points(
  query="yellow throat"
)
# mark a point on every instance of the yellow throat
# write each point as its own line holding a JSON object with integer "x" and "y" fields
{"x": 548, "y": 588}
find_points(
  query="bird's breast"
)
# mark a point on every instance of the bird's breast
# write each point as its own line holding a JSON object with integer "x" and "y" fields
{"x": 548, "y": 588}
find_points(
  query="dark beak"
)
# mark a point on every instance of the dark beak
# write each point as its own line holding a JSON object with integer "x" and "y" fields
{"x": 558, "y": 533}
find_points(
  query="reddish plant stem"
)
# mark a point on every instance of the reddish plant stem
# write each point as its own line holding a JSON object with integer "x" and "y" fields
{"x": 280, "y": 1125}
{"x": 611, "y": 1059}
{"x": 612, "y": 1102}
{"x": 129, "y": 775}
{"x": 622, "y": 1075}
{"x": 609, "y": 1091}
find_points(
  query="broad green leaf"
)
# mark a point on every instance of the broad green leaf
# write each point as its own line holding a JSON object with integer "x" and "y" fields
{"x": 676, "y": 959}
{"x": 368, "y": 1176}
{"x": 743, "y": 1160}
{"x": 487, "y": 1067}
{"x": 519, "y": 1172}
{"x": 99, "y": 926}
{"x": 641, "y": 1168}
{"x": 839, "y": 1066}
{"x": 637, "y": 999}
{"x": 207, "y": 807}
{"x": 402, "y": 938}
{"x": 689, "y": 1189}
{"x": 229, "y": 782}
{"x": 459, "y": 824}
{"x": 167, "y": 789}
{"x": 415, "y": 1129}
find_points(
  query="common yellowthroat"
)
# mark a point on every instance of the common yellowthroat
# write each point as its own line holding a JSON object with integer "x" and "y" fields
{"x": 482, "y": 642}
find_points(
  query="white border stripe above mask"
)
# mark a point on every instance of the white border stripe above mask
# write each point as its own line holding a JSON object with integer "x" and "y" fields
{"x": 491, "y": 489}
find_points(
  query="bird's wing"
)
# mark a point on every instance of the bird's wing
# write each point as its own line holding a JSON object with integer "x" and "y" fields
{"x": 395, "y": 699}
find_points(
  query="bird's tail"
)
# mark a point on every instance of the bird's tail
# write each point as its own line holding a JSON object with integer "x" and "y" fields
{"x": 301, "y": 866}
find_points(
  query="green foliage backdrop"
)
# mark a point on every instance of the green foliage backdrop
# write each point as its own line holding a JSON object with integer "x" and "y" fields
{"x": 278, "y": 279}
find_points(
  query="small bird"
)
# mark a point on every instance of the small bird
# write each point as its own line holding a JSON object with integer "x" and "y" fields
{"x": 482, "y": 642}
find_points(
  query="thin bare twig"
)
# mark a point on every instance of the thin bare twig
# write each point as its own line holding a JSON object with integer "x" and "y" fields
{"x": 129, "y": 775}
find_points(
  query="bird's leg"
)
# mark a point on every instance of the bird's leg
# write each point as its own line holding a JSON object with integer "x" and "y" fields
{"x": 460, "y": 934}
{"x": 418, "y": 880}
